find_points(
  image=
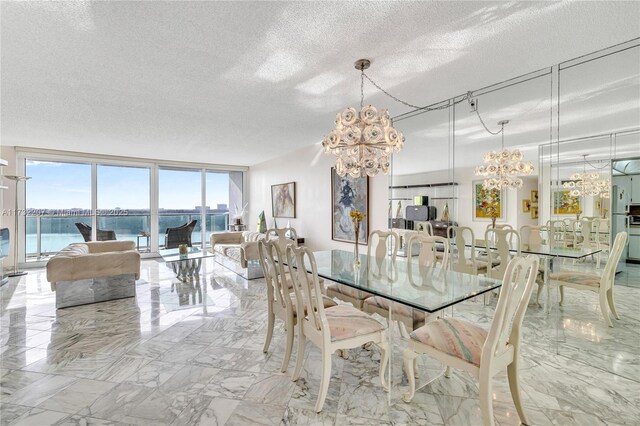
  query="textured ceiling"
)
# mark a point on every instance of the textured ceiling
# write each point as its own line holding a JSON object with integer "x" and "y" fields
{"x": 242, "y": 82}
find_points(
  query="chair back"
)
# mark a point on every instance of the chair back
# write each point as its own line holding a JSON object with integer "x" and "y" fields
{"x": 585, "y": 230}
{"x": 427, "y": 228}
{"x": 387, "y": 241}
{"x": 501, "y": 250}
{"x": 179, "y": 235}
{"x": 279, "y": 235}
{"x": 517, "y": 286}
{"x": 530, "y": 237}
{"x": 427, "y": 257}
{"x": 557, "y": 233}
{"x": 85, "y": 230}
{"x": 463, "y": 236}
{"x": 277, "y": 289}
{"x": 308, "y": 293}
{"x": 609, "y": 273}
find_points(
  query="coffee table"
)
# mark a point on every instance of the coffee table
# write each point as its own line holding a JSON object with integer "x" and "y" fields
{"x": 185, "y": 266}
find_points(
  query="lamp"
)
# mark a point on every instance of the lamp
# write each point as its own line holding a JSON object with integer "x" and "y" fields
{"x": 364, "y": 141}
{"x": 16, "y": 272}
{"x": 501, "y": 170}
{"x": 583, "y": 184}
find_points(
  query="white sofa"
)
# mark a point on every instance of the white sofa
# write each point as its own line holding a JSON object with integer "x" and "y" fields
{"x": 93, "y": 272}
{"x": 238, "y": 251}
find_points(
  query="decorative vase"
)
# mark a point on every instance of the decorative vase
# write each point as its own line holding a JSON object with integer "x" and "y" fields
{"x": 445, "y": 213}
{"x": 183, "y": 249}
{"x": 356, "y": 255}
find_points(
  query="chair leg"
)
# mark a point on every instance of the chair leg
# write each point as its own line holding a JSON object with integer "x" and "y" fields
{"x": 540, "y": 287}
{"x": 514, "y": 386}
{"x": 409, "y": 357}
{"x": 271, "y": 318}
{"x": 605, "y": 308}
{"x": 612, "y": 304}
{"x": 486, "y": 400}
{"x": 289, "y": 348}
{"x": 384, "y": 360}
{"x": 299, "y": 355}
{"x": 325, "y": 379}
{"x": 561, "y": 294}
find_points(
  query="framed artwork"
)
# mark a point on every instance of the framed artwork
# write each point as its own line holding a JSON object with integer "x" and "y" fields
{"x": 526, "y": 206}
{"x": 487, "y": 202}
{"x": 534, "y": 196}
{"x": 534, "y": 212}
{"x": 283, "y": 200}
{"x": 565, "y": 203}
{"x": 347, "y": 194}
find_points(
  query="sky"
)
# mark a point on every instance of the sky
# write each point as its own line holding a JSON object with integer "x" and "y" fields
{"x": 68, "y": 185}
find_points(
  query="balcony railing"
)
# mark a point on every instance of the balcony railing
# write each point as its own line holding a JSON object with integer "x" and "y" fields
{"x": 47, "y": 234}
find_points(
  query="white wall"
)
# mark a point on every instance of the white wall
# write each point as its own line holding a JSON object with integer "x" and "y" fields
{"x": 8, "y": 196}
{"x": 310, "y": 169}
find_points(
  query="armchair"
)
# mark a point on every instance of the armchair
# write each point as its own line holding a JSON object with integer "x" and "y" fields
{"x": 101, "y": 235}
{"x": 179, "y": 235}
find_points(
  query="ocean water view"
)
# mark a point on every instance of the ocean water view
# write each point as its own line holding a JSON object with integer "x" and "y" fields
{"x": 55, "y": 233}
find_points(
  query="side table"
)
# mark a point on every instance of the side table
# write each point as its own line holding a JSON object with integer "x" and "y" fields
{"x": 147, "y": 247}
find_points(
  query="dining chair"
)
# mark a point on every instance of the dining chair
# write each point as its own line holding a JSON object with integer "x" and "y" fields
{"x": 407, "y": 317}
{"x": 464, "y": 345}
{"x": 283, "y": 237}
{"x": 531, "y": 239}
{"x": 464, "y": 238}
{"x": 601, "y": 284}
{"x": 386, "y": 246}
{"x": 557, "y": 233}
{"x": 279, "y": 296}
{"x": 602, "y": 237}
{"x": 587, "y": 227}
{"x": 340, "y": 327}
{"x": 499, "y": 252}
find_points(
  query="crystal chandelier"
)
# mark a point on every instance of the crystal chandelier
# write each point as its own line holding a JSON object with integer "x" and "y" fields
{"x": 587, "y": 183}
{"x": 501, "y": 170}
{"x": 363, "y": 141}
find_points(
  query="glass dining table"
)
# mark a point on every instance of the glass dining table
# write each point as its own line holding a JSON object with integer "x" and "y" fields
{"x": 415, "y": 289}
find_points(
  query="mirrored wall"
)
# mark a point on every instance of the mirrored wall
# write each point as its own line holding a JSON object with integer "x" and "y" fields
{"x": 578, "y": 123}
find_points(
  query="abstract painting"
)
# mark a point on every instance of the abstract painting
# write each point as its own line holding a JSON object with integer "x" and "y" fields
{"x": 487, "y": 203}
{"x": 283, "y": 200}
{"x": 565, "y": 203}
{"x": 347, "y": 194}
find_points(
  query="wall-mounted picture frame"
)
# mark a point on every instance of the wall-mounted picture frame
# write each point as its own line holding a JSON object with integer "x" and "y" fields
{"x": 565, "y": 204}
{"x": 487, "y": 202}
{"x": 534, "y": 196}
{"x": 534, "y": 212}
{"x": 283, "y": 200}
{"x": 347, "y": 194}
{"x": 526, "y": 206}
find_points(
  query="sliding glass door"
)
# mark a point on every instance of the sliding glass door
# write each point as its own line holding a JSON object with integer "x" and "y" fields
{"x": 123, "y": 201}
{"x": 58, "y": 196}
{"x": 179, "y": 201}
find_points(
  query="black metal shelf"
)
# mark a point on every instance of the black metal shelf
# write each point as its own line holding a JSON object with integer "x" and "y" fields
{"x": 426, "y": 185}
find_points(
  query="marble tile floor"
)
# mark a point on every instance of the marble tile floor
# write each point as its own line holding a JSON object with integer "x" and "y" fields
{"x": 180, "y": 355}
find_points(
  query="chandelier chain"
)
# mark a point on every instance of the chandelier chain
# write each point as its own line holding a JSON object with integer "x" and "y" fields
{"x": 362, "y": 88}
{"x": 377, "y": 86}
{"x": 489, "y": 130}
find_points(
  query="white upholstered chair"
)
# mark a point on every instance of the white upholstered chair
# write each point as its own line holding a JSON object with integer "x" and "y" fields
{"x": 466, "y": 346}
{"x": 337, "y": 328}
{"x": 601, "y": 284}
{"x": 279, "y": 296}
{"x": 386, "y": 245}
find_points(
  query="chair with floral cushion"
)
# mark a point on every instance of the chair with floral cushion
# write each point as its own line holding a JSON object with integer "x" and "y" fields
{"x": 466, "y": 346}
{"x": 280, "y": 296}
{"x": 332, "y": 329}
{"x": 601, "y": 284}
{"x": 387, "y": 245}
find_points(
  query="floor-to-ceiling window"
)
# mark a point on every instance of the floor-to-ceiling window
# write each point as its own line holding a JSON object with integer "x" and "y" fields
{"x": 58, "y": 196}
{"x": 179, "y": 201}
{"x": 123, "y": 201}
